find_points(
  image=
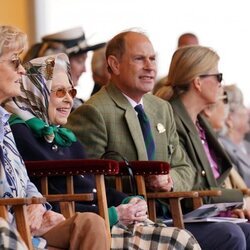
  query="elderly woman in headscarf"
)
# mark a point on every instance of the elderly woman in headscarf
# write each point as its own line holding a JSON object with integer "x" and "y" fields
{"x": 78, "y": 230}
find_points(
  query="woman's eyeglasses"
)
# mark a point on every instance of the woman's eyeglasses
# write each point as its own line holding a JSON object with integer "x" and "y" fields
{"x": 61, "y": 92}
{"x": 15, "y": 62}
{"x": 219, "y": 76}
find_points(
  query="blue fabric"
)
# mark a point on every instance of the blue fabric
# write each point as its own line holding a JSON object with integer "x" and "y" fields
{"x": 146, "y": 131}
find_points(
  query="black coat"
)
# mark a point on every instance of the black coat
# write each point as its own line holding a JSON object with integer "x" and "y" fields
{"x": 33, "y": 148}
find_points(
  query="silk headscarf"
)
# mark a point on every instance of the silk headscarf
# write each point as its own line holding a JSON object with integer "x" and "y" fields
{"x": 32, "y": 105}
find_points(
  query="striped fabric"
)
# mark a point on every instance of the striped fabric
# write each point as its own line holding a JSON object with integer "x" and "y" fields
{"x": 151, "y": 236}
{"x": 146, "y": 131}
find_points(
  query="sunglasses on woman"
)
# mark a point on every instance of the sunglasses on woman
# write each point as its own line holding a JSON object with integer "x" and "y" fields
{"x": 14, "y": 62}
{"x": 61, "y": 92}
{"x": 218, "y": 76}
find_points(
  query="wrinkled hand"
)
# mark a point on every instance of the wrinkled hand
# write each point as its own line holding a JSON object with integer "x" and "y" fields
{"x": 133, "y": 212}
{"x": 241, "y": 213}
{"x": 159, "y": 182}
{"x": 50, "y": 219}
{"x": 35, "y": 216}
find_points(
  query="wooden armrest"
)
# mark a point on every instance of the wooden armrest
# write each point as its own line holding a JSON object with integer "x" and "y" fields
{"x": 22, "y": 201}
{"x": 245, "y": 191}
{"x": 72, "y": 167}
{"x": 158, "y": 195}
{"x": 204, "y": 193}
{"x": 69, "y": 197}
{"x": 145, "y": 167}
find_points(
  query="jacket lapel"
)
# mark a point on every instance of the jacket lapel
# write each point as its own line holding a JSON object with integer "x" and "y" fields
{"x": 131, "y": 120}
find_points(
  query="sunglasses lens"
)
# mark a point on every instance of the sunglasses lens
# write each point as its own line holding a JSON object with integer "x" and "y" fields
{"x": 219, "y": 77}
{"x": 72, "y": 93}
{"x": 61, "y": 93}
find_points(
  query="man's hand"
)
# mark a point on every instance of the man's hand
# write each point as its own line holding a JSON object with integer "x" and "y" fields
{"x": 159, "y": 183}
{"x": 133, "y": 212}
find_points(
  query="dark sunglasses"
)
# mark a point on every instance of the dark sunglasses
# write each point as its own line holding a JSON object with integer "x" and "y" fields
{"x": 219, "y": 76}
{"x": 15, "y": 62}
{"x": 61, "y": 92}
{"x": 224, "y": 98}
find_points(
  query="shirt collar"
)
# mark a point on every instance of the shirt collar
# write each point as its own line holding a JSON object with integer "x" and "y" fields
{"x": 132, "y": 102}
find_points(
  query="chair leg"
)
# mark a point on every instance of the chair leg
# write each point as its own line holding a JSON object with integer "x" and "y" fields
{"x": 22, "y": 224}
{"x": 176, "y": 212}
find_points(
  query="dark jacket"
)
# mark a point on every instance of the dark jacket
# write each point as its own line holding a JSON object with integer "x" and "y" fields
{"x": 33, "y": 148}
{"x": 191, "y": 143}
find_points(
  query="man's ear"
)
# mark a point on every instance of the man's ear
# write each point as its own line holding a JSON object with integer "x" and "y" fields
{"x": 113, "y": 64}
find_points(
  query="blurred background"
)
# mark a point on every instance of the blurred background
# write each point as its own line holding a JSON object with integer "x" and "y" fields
{"x": 222, "y": 25}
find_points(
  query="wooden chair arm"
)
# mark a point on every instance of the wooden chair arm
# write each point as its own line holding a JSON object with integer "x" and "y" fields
{"x": 245, "y": 191}
{"x": 69, "y": 197}
{"x": 167, "y": 195}
{"x": 22, "y": 201}
{"x": 203, "y": 193}
{"x": 198, "y": 202}
{"x": 72, "y": 167}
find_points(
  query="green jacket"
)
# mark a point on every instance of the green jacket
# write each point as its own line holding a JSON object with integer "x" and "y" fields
{"x": 107, "y": 121}
{"x": 191, "y": 143}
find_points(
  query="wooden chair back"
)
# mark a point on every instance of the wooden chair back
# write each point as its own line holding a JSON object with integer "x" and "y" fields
{"x": 142, "y": 169}
{"x": 70, "y": 168}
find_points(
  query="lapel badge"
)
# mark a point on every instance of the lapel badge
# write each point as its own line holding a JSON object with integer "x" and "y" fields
{"x": 160, "y": 128}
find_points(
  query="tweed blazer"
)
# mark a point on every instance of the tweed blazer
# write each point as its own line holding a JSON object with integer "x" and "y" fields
{"x": 191, "y": 143}
{"x": 108, "y": 122}
{"x": 239, "y": 158}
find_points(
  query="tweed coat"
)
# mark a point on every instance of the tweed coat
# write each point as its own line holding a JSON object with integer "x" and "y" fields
{"x": 107, "y": 121}
{"x": 191, "y": 143}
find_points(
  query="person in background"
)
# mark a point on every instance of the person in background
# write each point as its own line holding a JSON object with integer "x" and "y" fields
{"x": 71, "y": 42}
{"x": 194, "y": 82}
{"x": 187, "y": 39}
{"x": 216, "y": 114}
{"x": 45, "y": 225}
{"x": 99, "y": 69}
{"x": 235, "y": 129}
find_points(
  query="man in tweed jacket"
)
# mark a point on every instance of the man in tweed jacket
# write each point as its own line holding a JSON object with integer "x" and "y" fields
{"x": 108, "y": 120}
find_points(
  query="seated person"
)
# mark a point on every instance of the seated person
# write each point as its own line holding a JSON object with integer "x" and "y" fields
{"x": 194, "y": 82}
{"x": 44, "y": 105}
{"x": 79, "y": 231}
{"x": 235, "y": 129}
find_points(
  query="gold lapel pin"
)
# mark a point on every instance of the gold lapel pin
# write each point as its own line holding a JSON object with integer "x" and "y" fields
{"x": 160, "y": 128}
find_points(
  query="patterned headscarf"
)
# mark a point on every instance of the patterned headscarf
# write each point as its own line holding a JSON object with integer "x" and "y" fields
{"x": 32, "y": 106}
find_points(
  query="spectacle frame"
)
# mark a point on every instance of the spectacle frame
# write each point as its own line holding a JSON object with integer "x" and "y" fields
{"x": 218, "y": 76}
{"x": 61, "y": 92}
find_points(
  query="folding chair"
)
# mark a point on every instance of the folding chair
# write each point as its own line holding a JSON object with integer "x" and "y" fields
{"x": 69, "y": 168}
{"x": 142, "y": 169}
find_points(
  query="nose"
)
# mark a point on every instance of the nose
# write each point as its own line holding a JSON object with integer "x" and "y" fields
{"x": 148, "y": 64}
{"x": 21, "y": 70}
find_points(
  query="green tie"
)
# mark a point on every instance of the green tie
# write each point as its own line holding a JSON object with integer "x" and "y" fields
{"x": 146, "y": 131}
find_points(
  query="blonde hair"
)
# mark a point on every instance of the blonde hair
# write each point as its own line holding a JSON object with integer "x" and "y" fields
{"x": 187, "y": 63}
{"x": 11, "y": 38}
